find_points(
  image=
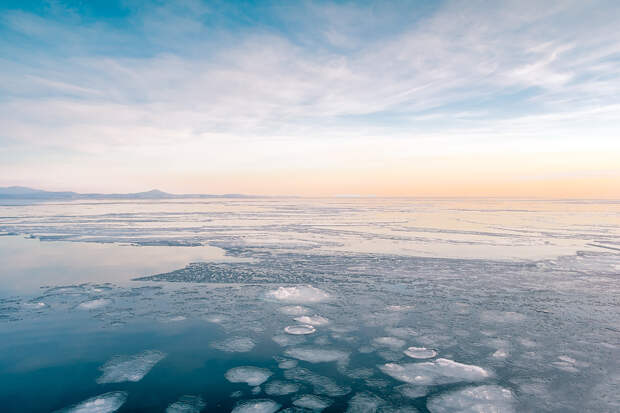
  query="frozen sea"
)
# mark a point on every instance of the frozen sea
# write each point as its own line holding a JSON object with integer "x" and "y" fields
{"x": 306, "y": 305}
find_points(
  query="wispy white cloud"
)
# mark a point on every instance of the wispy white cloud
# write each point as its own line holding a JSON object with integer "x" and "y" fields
{"x": 468, "y": 72}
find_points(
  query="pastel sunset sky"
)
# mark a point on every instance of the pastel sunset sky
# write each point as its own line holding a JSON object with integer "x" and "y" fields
{"x": 396, "y": 98}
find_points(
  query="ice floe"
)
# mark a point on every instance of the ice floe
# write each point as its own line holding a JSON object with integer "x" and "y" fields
{"x": 411, "y": 391}
{"x": 285, "y": 363}
{"x": 440, "y": 371}
{"x": 253, "y": 376}
{"x": 299, "y": 294}
{"x": 256, "y": 406}
{"x": 94, "y": 304}
{"x": 364, "y": 403}
{"x": 187, "y": 404}
{"x": 288, "y": 340}
{"x": 281, "y": 388}
{"x": 321, "y": 384}
{"x": 315, "y": 320}
{"x": 316, "y": 354}
{"x": 391, "y": 342}
{"x": 313, "y": 402}
{"x": 129, "y": 368}
{"x": 502, "y": 317}
{"x": 480, "y": 399}
{"x": 420, "y": 353}
{"x": 300, "y": 329}
{"x": 294, "y": 310}
{"x": 235, "y": 345}
{"x": 104, "y": 403}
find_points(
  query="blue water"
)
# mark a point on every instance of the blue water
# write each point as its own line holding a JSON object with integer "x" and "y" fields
{"x": 517, "y": 299}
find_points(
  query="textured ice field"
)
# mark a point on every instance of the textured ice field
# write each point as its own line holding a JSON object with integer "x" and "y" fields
{"x": 317, "y": 305}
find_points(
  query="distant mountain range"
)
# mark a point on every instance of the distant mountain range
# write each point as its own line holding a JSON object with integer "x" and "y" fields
{"x": 22, "y": 192}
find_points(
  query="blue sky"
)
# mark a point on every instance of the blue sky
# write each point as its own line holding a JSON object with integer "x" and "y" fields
{"x": 310, "y": 97}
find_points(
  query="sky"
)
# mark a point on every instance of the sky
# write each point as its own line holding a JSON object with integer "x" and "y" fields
{"x": 316, "y": 98}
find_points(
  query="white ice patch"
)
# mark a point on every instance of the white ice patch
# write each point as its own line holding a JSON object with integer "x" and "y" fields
{"x": 391, "y": 342}
{"x": 284, "y": 363}
{"x": 129, "y": 368}
{"x": 35, "y": 305}
{"x": 299, "y": 294}
{"x": 104, "y": 403}
{"x": 281, "y": 388}
{"x": 411, "y": 391}
{"x": 402, "y": 332}
{"x": 420, "y": 353}
{"x": 500, "y": 354}
{"x": 315, "y": 320}
{"x": 312, "y": 402}
{"x": 440, "y": 371}
{"x": 294, "y": 310}
{"x": 256, "y": 406}
{"x": 364, "y": 403}
{"x": 187, "y": 404}
{"x": 474, "y": 399}
{"x": 235, "y": 345}
{"x": 94, "y": 304}
{"x": 321, "y": 384}
{"x": 253, "y": 376}
{"x": 288, "y": 340}
{"x": 316, "y": 354}
{"x": 501, "y": 317}
{"x": 300, "y": 329}
{"x": 216, "y": 318}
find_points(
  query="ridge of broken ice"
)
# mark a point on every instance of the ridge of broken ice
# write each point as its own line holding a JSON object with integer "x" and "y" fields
{"x": 129, "y": 368}
{"x": 489, "y": 398}
{"x": 299, "y": 294}
{"x": 316, "y": 354}
{"x": 440, "y": 371}
{"x": 187, "y": 404}
{"x": 256, "y": 406}
{"x": 103, "y": 403}
{"x": 300, "y": 329}
{"x": 420, "y": 353}
{"x": 253, "y": 376}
